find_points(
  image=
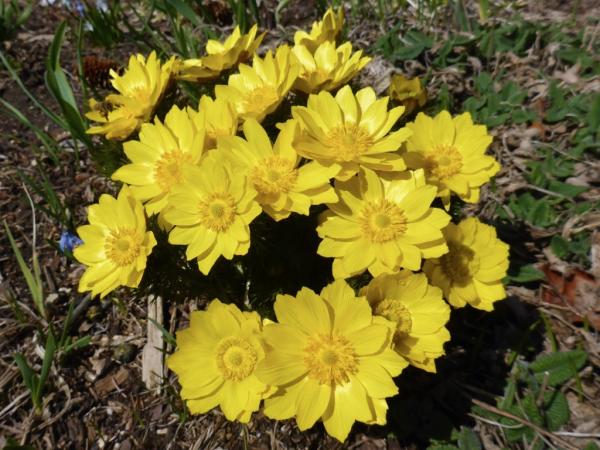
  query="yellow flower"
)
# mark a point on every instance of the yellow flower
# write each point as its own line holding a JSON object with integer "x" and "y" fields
{"x": 157, "y": 158}
{"x": 140, "y": 89}
{"x": 211, "y": 210}
{"x": 219, "y": 118}
{"x": 452, "y": 152}
{"x": 258, "y": 90}
{"x": 330, "y": 359}
{"x": 328, "y": 68}
{"x": 282, "y": 186}
{"x": 221, "y": 56}
{"x": 350, "y": 130}
{"x": 115, "y": 244}
{"x": 408, "y": 92}
{"x": 327, "y": 29}
{"x": 382, "y": 225}
{"x": 216, "y": 361}
{"x": 419, "y": 312}
{"x": 472, "y": 271}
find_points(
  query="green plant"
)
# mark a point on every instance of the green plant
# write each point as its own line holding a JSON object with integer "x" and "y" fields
{"x": 12, "y": 16}
{"x": 71, "y": 119}
{"x": 53, "y": 343}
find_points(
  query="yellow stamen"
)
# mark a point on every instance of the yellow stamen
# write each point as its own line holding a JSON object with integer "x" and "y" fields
{"x": 443, "y": 162}
{"x": 459, "y": 264}
{"x": 349, "y": 142}
{"x": 123, "y": 246}
{"x": 236, "y": 358}
{"x": 274, "y": 175}
{"x": 330, "y": 359}
{"x": 382, "y": 221}
{"x": 395, "y": 311}
{"x": 259, "y": 100}
{"x": 167, "y": 171}
{"x": 217, "y": 211}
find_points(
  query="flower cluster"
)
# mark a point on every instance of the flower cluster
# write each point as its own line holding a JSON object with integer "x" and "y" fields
{"x": 286, "y": 135}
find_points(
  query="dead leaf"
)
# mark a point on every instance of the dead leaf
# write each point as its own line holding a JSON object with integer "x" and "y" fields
{"x": 111, "y": 382}
{"x": 575, "y": 289}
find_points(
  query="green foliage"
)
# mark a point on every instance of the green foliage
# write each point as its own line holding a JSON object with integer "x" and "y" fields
{"x": 60, "y": 88}
{"x": 533, "y": 394}
{"x": 104, "y": 23}
{"x": 492, "y": 106}
{"x": 54, "y": 343}
{"x": 527, "y": 273}
{"x": 397, "y": 46}
{"x": 560, "y": 366}
{"x": 577, "y": 248}
{"x": 12, "y": 17}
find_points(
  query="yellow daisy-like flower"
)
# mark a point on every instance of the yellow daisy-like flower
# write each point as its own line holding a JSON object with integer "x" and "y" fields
{"x": 140, "y": 89}
{"x": 472, "y": 271}
{"x": 273, "y": 170}
{"x": 219, "y": 117}
{"x": 350, "y": 130}
{"x": 115, "y": 244}
{"x": 221, "y": 56}
{"x": 419, "y": 312}
{"x": 258, "y": 90}
{"x": 382, "y": 225}
{"x": 330, "y": 359}
{"x": 159, "y": 155}
{"x": 216, "y": 361}
{"x": 211, "y": 210}
{"x": 327, "y": 29}
{"x": 408, "y": 92}
{"x": 452, "y": 152}
{"x": 328, "y": 68}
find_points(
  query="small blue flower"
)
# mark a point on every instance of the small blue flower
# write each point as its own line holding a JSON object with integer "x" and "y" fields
{"x": 68, "y": 241}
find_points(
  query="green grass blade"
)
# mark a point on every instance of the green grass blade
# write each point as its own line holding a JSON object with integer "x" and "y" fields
{"x": 33, "y": 279}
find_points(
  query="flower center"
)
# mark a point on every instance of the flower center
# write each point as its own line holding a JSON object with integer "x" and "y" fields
{"x": 330, "y": 359}
{"x": 396, "y": 312}
{"x": 348, "y": 142}
{"x": 443, "y": 162}
{"x": 260, "y": 100}
{"x": 122, "y": 246}
{"x": 167, "y": 171}
{"x": 382, "y": 221}
{"x": 459, "y": 264}
{"x": 273, "y": 175}
{"x": 217, "y": 211}
{"x": 236, "y": 358}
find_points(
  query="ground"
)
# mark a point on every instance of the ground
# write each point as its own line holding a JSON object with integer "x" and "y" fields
{"x": 532, "y": 74}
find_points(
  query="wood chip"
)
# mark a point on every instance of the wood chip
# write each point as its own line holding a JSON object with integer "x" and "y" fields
{"x": 111, "y": 382}
{"x": 152, "y": 356}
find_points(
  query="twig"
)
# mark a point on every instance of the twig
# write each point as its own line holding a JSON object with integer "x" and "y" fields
{"x": 531, "y": 425}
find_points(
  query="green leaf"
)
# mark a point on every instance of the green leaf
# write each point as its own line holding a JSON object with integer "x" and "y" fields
{"x": 186, "y": 11}
{"x": 560, "y": 366}
{"x": 559, "y": 246}
{"x": 61, "y": 90}
{"x": 33, "y": 279}
{"x": 468, "y": 440}
{"x": 26, "y": 372}
{"x": 556, "y": 410}
{"x": 593, "y": 117}
{"x": 168, "y": 336}
{"x": 541, "y": 214}
{"x": 527, "y": 274}
{"x": 566, "y": 189}
{"x": 442, "y": 447}
{"x": 591, "y": 446}
{"x": 46, "y": 364}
